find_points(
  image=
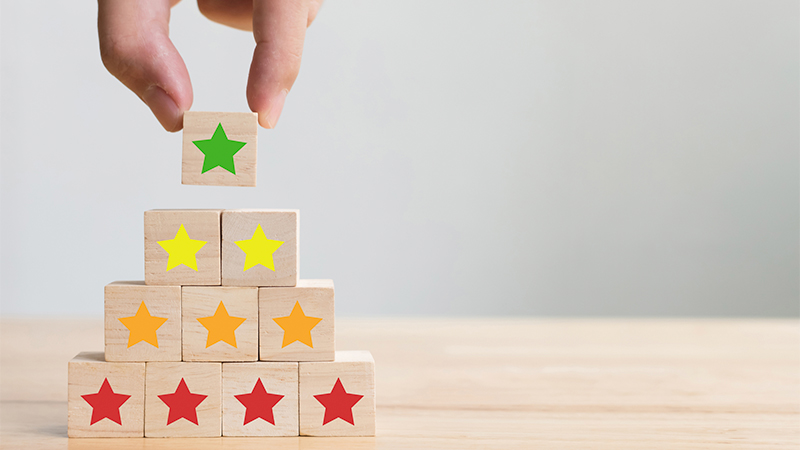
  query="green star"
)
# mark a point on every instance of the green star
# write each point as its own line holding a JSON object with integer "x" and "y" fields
{"x": 219, "y": 151}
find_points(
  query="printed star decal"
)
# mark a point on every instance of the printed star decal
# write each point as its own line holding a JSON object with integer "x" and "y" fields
{"x": 182, "y": 403}
{"x": 221, "y": 326}
{"x": 182, "y": 250}
{"x": 338, "y": 404}
{"x": 143, "y": 327}
{"x": 105, "y": 404}
{"x": 258, "y": 404}
{"x": 297, "y": 326}
{"x": 259, "y": 250}
{"x": 219, "y": 151}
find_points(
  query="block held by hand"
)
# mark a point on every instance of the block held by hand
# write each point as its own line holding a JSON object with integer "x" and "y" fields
{"x": 219, "y": 148}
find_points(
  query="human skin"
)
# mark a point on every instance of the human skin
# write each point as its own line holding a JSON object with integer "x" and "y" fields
{"x": 136, "y": 49}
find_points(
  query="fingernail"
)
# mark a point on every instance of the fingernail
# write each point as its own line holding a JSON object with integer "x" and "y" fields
{"x": 270, "y": 119}
{"x": 164, "y": 108}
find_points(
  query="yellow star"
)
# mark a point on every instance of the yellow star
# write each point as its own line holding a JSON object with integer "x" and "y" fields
{"x": 297, "y": 326}
{"x": 143, "y": 327}
{"x": 221, "y": 326}
{"x": 182, "y": 249}
{"x": 259, "y": 250}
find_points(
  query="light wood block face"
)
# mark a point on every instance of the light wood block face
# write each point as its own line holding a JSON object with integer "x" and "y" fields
{"x": 106, "y": 399}
{"x": 219, "y": 148}
{"x": 183, "y": 399}
{"x": 182, "y": 247}
{"x": 142, "y": 323}
{"x": 337, "y": 398}
{"x": 297, "y": 323}
{"x": 260, "y": 247}
{"x": 259, "y": 399}
{"x": 220, "y": 323}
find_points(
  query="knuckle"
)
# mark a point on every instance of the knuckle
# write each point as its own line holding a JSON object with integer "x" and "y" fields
{"x": 116, "y": 54}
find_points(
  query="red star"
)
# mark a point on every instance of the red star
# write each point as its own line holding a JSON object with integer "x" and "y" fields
{"x": 338, "y": 403}
{"x": 105, "y": 404}
{"x": 182, "y": 403}
{"x": 258, "y": 404}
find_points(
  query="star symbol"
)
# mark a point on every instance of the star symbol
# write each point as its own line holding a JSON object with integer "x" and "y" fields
{"x": 221, "y": 326}
{"x": 143, "y": 327}
{"x": 105, "y": 403}
{"x": 182, "y": 249}
{"x": 297, "y": 326}
{"x": 259, "y": 250}
{"x": 258, "y": 404}
{"x": 338, "y": 404}
{"x": 219, "y": 151}
{"x": 182, "y": 403}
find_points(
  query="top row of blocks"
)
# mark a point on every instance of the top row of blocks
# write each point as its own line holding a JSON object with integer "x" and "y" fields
{"x": 221, "y": 247}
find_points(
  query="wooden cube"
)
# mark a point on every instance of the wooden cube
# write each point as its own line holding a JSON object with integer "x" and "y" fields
{"x": 106, "y": 399}
{"x": 183, "y": 399}
{"x": 259, "y": 247}
{"x": 259, "y": 399}
{"x": 220, "y": 323}
{"x": 219, "y": 148}
{"x": 182, "y": 247}
{"x": 142, "y": 323}
{"x": 296, "y": 323}
{"x": 337, "y": 398}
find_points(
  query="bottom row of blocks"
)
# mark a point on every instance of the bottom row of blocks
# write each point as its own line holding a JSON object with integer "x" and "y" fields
{"x": 201, "y": 399}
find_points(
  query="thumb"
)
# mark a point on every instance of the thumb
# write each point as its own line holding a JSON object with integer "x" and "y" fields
{"x": 279, "y": 28}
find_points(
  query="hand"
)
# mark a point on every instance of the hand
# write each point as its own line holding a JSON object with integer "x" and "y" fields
{"x": 135, "y": 47}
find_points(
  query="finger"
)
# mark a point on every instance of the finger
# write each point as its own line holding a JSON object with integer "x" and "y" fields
{"x": 233, "y": 13}
{"x": 313, "y": 9}
{"x": 135, "y": 47}
{"x": 279, "y": 28}
{"x": 239, "y": 13}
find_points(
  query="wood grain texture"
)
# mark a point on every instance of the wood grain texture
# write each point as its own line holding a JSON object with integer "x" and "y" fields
{"x": 161, "y": 225}
{"x": 201, "y": 378}
{"x": 277, "y": 378}
{"x": 238, "y": 126}
{"x": 488, "y": 383}
{"x": 87, "y": 373}
{"x": 356, "y": 372}
{"x": 279, "y": 225}
{"x": 316, "y": 298}
{"x": 123, "y": 299}
{"x": 203, "y": 301}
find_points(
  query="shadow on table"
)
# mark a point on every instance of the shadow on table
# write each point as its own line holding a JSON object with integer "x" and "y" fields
{"x": 228, "y": 443}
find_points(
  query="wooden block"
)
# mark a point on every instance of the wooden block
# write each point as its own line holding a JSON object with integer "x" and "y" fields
{"x": 142, "y": 323}
{"x": 259, "y": 399}
{"x": 337, "y": 398}
{"x": 220, "y": 323}
{"x": 182, "y": 399}
{"x": 182, "y": 247}
{"x": 297, "y": 323}
{"x": 219, "y": 148}
{"x": 106, "y": 399}
{"x": 259, "y": 247}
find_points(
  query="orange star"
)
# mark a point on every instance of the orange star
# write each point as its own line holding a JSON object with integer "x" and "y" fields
{"x": 143, "y": 327}
{"x": 297, "y": 326}
{"x": 221, "y": 326}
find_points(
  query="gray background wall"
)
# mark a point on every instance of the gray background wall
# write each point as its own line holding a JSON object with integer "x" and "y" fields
{"x": 449, "y": 157}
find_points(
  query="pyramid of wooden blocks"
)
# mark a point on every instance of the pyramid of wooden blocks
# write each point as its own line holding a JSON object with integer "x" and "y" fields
{"x": 219, "y": 148}
{"x": 221, "y": 339}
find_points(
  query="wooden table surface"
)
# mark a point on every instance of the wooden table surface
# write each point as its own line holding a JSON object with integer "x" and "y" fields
{"x": 489, "y": 383}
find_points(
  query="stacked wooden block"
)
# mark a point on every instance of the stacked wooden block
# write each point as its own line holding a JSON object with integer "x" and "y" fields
{"x": 221, "y": 338}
